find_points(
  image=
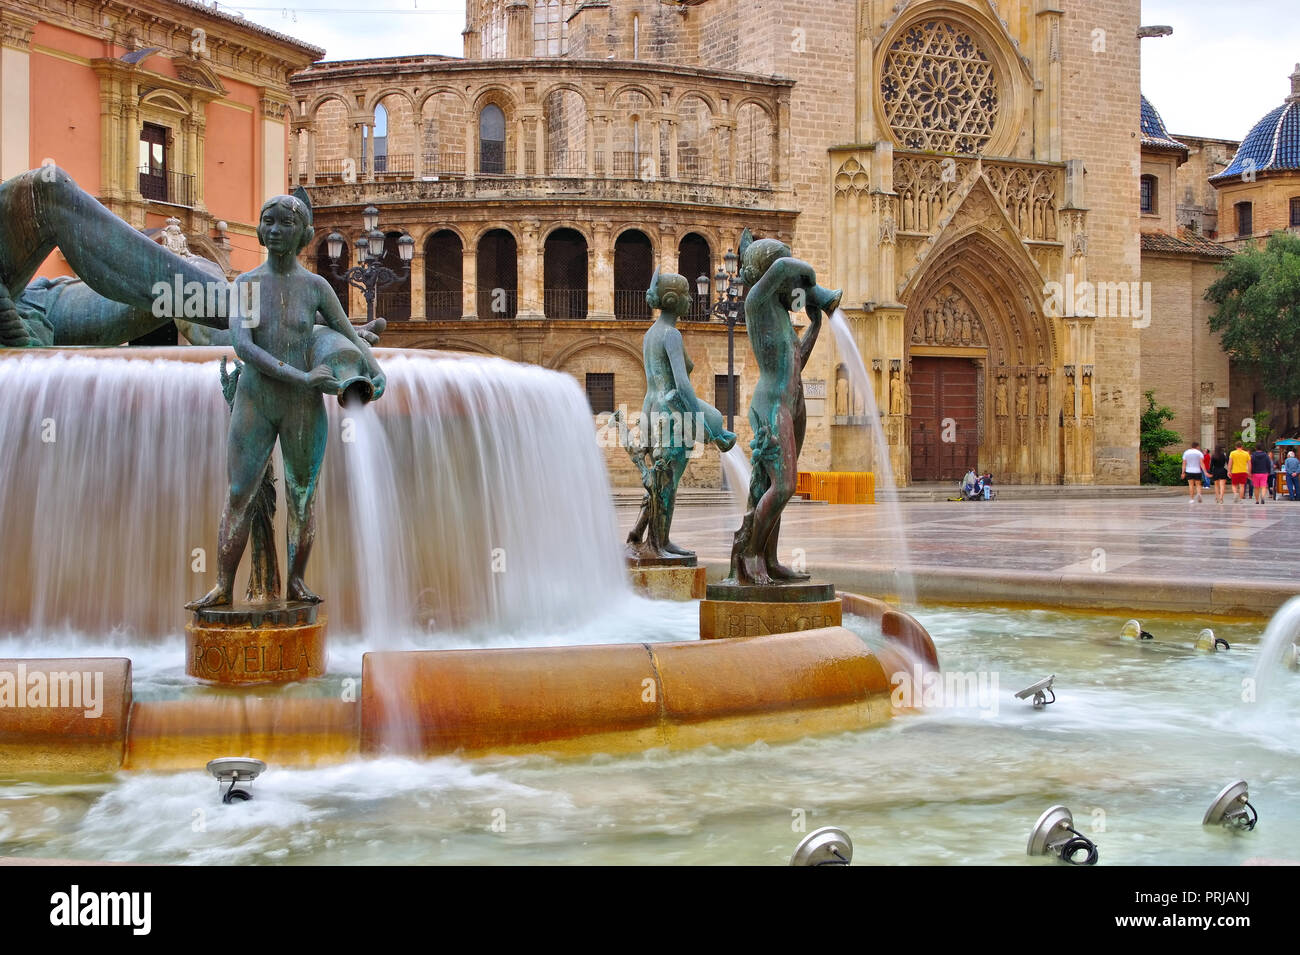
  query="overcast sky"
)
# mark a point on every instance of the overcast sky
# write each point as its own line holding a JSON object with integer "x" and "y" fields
{"x": 1226, "y": 65}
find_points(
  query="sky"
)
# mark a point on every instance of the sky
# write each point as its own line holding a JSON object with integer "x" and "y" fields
{"x": 1224, "y": 67}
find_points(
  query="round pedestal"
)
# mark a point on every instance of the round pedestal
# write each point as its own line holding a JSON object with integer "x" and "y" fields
{"x": 740, "y": 610}
{"x": 244, "y": 645}
{"x": 668, "y": 583}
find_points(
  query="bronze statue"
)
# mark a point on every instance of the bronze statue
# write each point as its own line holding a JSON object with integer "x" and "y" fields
{"x": 777, "y": 283}
{"x": 673, "y": 418}
{"x": 277, "y": 396}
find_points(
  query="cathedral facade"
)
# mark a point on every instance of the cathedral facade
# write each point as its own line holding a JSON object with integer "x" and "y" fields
{"x": 966, "y": 170}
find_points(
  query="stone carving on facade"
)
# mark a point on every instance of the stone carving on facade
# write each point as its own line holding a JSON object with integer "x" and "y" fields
{"x": 948, "y": 319}
{"x": 888, "y": 230}
{"x": 841, "y": 394}
{"x": 1088, "y": 408}
{"x": 852, "y": 177}
{"x": 925, "y": 189}
{"x": 1079, "y": 244}
{"x": 895, "y": 392}
{"x": 1028, "y": 196}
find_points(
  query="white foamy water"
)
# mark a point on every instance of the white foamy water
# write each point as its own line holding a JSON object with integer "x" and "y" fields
{"x": 736, "y": 465}
{"x": 886, "y": 486}
{"x": 476, "y": 500}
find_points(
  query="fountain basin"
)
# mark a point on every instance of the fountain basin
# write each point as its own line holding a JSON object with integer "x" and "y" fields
{"x": 561, "y": 701}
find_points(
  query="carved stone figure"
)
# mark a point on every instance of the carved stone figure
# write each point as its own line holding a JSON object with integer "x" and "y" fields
{"x": 896, "y": 392}
{"x": 842, "y": 408}
{"x": 1041, "y": 403}
{"x": 1000, "y": 398}
{"x": 1022, "y": 397}
{"x": 668, "y": 421}
{"x": 1088, "y": 410}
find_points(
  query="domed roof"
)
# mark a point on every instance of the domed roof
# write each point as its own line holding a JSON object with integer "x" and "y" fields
{"x": 1274, "y": 143}
{"x": 1154, "y": 134}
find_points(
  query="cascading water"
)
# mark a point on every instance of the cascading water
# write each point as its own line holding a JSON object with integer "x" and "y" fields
{"x": 1278, "y": 648}
{"x": 470, "y": 498}
{"x": 736, "y": 465}
{"x": 886, "y": 487}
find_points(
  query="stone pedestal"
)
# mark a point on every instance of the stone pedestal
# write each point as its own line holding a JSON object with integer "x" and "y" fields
{"x": 746, "y": 610}
{"x": 241, "y": 645}
{"x": 664, "y": 578}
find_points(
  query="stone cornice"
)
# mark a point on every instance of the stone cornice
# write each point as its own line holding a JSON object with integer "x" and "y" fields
{"x": 16, "y": 30}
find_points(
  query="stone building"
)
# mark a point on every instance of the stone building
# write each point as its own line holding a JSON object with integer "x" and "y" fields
{"x": 159, "y": 108}
{"x": 963, "y": 169}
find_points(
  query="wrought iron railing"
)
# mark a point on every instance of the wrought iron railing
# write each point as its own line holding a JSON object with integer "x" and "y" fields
{"x": 443, "y": 306}
{"x": 565, "y": 303}
{"x": 174, "y": 187}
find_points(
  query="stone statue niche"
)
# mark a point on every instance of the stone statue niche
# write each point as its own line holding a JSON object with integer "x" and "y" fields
{"x": 673, "y": 418}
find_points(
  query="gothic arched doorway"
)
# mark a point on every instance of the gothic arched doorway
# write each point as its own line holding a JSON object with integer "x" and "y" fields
{"x": 980, "y": 366}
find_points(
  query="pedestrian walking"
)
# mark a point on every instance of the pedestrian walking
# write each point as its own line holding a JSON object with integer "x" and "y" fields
{"x": 1193, "y": 472}
{"x": 1219, "y": 473}
{"x": 1239, "y": 471}
{"x": 1291, "y": 468}
{"x": 1261, "y": 466}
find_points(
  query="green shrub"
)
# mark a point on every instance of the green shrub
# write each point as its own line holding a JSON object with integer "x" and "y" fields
{"x": 1166, "y": 469}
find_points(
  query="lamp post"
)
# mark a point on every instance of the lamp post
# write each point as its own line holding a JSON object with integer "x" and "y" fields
{"x": 368, "y": 275}
{"x": 729, "y": 287}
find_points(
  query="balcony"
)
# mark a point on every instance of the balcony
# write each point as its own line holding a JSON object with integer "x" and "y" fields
{"x": 497, "y": 303}
{"x": 630, "y": 305}
{"x": 175, "y": 188}
{"x": 563, "y": 303}
{"x": 443, "y": 306}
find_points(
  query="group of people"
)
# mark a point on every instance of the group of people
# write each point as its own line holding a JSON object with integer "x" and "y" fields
{"x": 975, "y": 487}
{"x": 1250, "y": 473}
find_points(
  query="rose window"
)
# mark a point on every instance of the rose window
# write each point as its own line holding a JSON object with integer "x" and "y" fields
{"x": 939, "y": 89}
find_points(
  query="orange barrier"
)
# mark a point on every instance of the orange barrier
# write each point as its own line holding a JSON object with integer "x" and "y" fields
{"x": 837, "y": 487}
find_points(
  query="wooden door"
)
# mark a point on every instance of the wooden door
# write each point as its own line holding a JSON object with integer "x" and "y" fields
{"x": 945, "y": 426}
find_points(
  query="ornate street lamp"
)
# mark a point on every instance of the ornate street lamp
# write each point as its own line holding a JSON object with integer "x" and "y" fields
{"x": 368, "y": 275}
{"x": 729, "y": 288}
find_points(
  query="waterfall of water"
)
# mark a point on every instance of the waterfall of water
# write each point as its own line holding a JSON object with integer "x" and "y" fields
{"x": 886, "y": 488}
{"x": 736, "y": 465}
{"x": 471, "y": 496}
{"x": 1278, "y": 648}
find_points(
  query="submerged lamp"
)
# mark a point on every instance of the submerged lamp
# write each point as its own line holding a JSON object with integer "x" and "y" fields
{"x": 1232, "y": 808}
{"x": 1054, "y": 834}
{"x": 825, "y": 846}
{"x": 236, "y": 769}
{"x": 1039, "y": 692}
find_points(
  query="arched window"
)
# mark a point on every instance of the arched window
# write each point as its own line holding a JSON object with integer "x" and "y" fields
{"x": 325, "y": 268}
{"x": 443, "y": 277}
{"x": 564, "y": 288}
{"x": 634, "y": 265}
{"x": 492, "y": 140}
{"x": 394, "y": 301}
{"x": 379, "y": 143}
{"x": 695, "y": 258}
{"x": 1150, "y": 196}
{"x": 497, "y": 280}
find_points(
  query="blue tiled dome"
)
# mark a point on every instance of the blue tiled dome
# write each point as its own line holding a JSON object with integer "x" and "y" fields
{"x": 1274, "y": 143}
{"x": 1154, "y": 134}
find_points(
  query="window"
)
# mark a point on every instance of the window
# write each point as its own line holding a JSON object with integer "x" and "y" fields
{"x": 1149, "y": 195}
{"x": 153, "y": 162}
{"x": 1295, "y": 213}
{"x": 600, "y": 391}
{"x": 1245, "y": 218}
{"x": 720, "y": 397}
{"x": 550, "y": 28}
{"x": 492, "y": 140}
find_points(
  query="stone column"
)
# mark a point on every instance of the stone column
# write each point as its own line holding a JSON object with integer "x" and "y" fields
{"x": 471, "y": 147}
{"x": 666, "y": 252}
{"x": 311, "y": 155}
{"x": 672, "y": 150}
{"x": 530, "y": 272}
{"x": 519, "y": 29}
{"x": 16, "y": 93}
{"x": 417, "y": 282}
{"x": 469, "y": 281}
{"x": 539, "y": 139}
{"x": 417, "y": 157}
{"x": 368, "y": 151}
{"x": 600, "y": 274}
{"x": 590, "y": 158}
{"x": 521, "y": 137}
{"x": 607, "y": 144}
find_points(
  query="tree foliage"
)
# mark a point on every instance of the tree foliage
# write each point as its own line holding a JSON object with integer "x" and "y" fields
{"x": 1257, "y": 313}
{"x": 1153, "y": 436}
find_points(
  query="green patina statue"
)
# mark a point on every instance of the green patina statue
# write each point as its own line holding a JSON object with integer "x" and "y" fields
{"x": 126, "y": 283}
{"x": 288, "y": 368}
{"x": 778, "y": 283}
{"x": 673, "y": 418}
{"x": 113, "y": 300}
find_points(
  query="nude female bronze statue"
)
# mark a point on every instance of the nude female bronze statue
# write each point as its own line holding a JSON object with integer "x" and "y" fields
{"x": 280, "y": 394}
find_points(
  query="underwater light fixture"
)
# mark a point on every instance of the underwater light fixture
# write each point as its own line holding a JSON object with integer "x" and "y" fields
{"x": 1232, "y": 808}
{"x": 825, "y": 846}
{"x": 1206, "y": 640}
{"x": 1039, "y": 692}
{"x": 1054, "y": 834}
{"x": 1132, "y": 630}
{"x": 236, "y": 769}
